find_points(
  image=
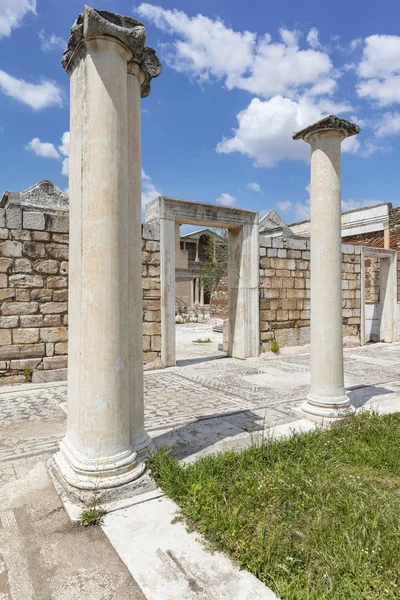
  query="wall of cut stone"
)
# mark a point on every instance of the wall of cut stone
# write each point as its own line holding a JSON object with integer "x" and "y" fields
{"x": 33, "y": 294}
{"x": 285, "y": 291}
{"x": 151, "y": 296}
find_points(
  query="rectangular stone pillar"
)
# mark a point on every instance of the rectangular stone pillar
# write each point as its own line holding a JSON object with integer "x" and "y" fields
{"x": 167, "y": 245}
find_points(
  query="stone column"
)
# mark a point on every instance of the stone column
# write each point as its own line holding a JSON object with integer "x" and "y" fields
{"x": 191, "y": 292}
{"x": 197, "y": 251}
{"x": 327, "y": 398}
{"x": 201, "y": 293}
{"x": 197, "y": 291}
{"x": 109, "y": 69}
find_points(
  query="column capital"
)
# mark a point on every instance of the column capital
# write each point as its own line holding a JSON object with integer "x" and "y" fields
{"x": 328, "y": 125}
{"x": 93, "y": 23}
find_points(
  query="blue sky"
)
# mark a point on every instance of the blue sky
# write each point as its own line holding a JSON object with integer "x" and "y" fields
{"x": 238, "y": 78}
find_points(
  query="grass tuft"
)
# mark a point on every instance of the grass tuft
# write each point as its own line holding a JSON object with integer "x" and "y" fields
{"x": 315, "y": 516}
{"x": 202, "y": 341}
{"x": 92, "y": 516}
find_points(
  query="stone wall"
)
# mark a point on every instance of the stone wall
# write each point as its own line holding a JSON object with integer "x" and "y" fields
{"x": 33, "y": 293}
{"x": 285, "y": 291}
{"x": 151, "y": 296}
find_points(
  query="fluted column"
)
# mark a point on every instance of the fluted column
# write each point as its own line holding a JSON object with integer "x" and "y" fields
{"x": 105, "y": 377}
{"x": 327, "y": 398}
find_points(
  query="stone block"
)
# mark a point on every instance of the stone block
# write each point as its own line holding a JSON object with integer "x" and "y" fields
{"x": 263, "y": 252}
{"x": 302, "y": 265}
{"x": 152, "y": 316}
{"x": 22, "y": 351}
{"x": 3, "y": 234}
{"x": 13, "y": 218}
{"x": 25, "y": 280}
{"x": 22, "y": 295}
{"x": 64, "y": 267}
{"x": 57, "y": 223}
{"x": 25, "y": 336}
{"x": 151, "y": 231}
{"x": 151, "y": 328}
{"x": 20, "y": 364}
{"x": 50, "y": 349}
{"x": 7, "y": 293}
{"x": 156, "y": 343}
{"x": 57, "y": 282}
{"x": 151, "y": 305}
{"x": 60, "y": 238}
{"x": 288, "y": 282}
{"x": 282, "y": 273}
{"x": 55, "y": 362}
{"x": 282, "y": 253}
{"x": 19, "y": 308}
{"x": 61, "y": 348}
{"x": 58, "y": 251}
{"x": 146, "y": 343}
{"x": 31, "y": 320}
{"x": 5, "y": 265}
{"x": 10, "y": 249}
{"x": 54, "y": 334}
{"x": 152, "y": 246}
{"x": 52, "y": 321}
{"x": 2, "y": 217}
{"x": 20, "y": 235}
{"x": 151, "y": 284}
{"x": 44, "y": 295}
{"x": 153, "y": 271}
{"x": 34, "y": 250}
{"x": 272, "y": 252}
{"x": 294, "y": 253}
{"x": 40, "y": 236}
{"x": 49, "y": 376}
{"x": 65, "y": 320}
{"x": 53, "y": 307}
{"x": 60, "y": 295}
{"x": 294, "y": 244}
{"x": 33, "y": 220}
{"x": 277, "y": 242}
{"x": 46, "y": 267}
{"x": 5, "y": 337}
{"x": 22, "y": 265}
{"x": 9, "y": 322}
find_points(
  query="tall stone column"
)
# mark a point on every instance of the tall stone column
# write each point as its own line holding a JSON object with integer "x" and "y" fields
{"x": 109, "y": 69}
{"x": 197, "y": 291}
{"x": 201, "y": 293}
{"x": 327, "y": 398}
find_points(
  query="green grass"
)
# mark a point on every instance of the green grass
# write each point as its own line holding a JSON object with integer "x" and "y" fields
{"x": 92, "y": 516}
{"x": 201, "y": 341}
{"x": 315, "y": 517}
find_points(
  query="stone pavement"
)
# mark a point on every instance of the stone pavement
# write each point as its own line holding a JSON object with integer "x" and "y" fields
{"x": 187, "y": 350}
{"x": 199, "y": 408}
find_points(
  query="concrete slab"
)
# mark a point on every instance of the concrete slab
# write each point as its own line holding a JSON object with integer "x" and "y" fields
{"x": 170, "y": 564}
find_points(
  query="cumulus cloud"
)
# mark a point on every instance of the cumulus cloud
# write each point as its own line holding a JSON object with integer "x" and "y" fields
{"x": 265, "y": 129}
{"x": 351, "y": 204}
{"x": 388, "y": 124}
{"x": 313, "y": 38}
{"x": 50, "y": 41}
{"x": 226, "y": 200}
{"x": 44, "y": 149}
{"x": 379, "y": 69}
{"x": 149, "y": 191}
{"x": 207, "y": 49}
{"x": 36, "y": 95}
{"x": 48, "y": 150}
{"x": 12, "y": 13}
{"x": 284, "y": 206}
{"x": 254, "y": 186}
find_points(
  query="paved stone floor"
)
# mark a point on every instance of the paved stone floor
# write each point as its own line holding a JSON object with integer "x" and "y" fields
{"x": 187, "y": 351}
{"x": 198, "y": 407}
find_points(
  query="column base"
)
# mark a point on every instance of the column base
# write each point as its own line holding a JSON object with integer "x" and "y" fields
{"x": 101, "y": 481}
{"x": 324, "y": 410}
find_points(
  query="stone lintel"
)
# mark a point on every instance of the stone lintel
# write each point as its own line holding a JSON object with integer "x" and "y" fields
{"x": 346, "y": 128}
{"x": 93, "y": 23}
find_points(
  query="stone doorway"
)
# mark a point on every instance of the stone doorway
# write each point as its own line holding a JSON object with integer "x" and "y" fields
{"x": 378, "y": 295}
{"x": 243, "y": 269}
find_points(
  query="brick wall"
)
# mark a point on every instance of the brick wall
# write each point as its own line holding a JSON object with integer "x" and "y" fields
{"x": 34, "y": 295}
{"x": 33, "y": 292}
{"x": 285, "y": 291}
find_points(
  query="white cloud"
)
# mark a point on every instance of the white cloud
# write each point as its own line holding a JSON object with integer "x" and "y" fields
{"x": 388, "y": 124}
{"x": 265, "y": 129}
{"x": 50, "y": 41}
{"x": 48, "y": 150}
{"x": 313, "y": 39}
{"x": 149, "y": 191}
{"x": 379, "y": 69}
{"x": 226, "y": 200}
{"x": 44, "y": 149}
{"x": 207, "y": 49}
{"x": 37, "y": 96}
{"x": 12, "y": 13}
{"x": 254, "y": 186}
{"x": 285, "y": 205}
{"x": 351, "y": 204}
